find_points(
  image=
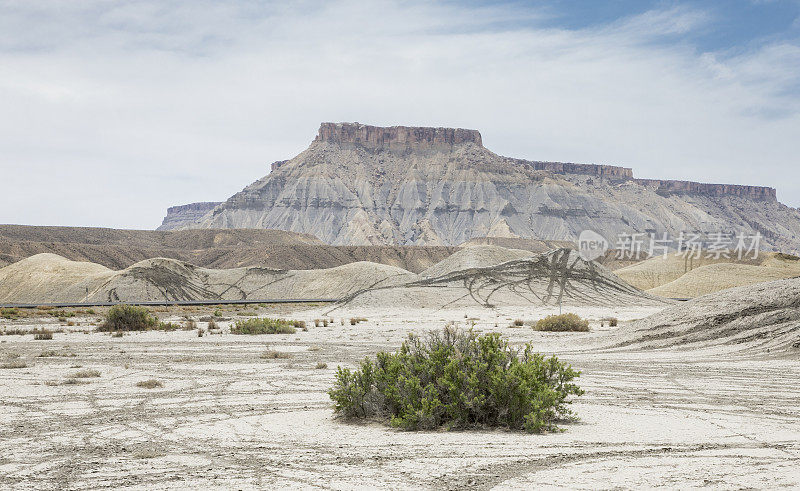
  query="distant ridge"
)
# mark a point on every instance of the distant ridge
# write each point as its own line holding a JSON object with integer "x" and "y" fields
{"x": 358, "y": 184}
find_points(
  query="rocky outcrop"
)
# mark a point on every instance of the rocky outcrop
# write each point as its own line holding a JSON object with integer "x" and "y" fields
{"x": 607, "y": 171}
{"x": 666, "y": 188}
{"x": 395, "y": 137}
{"x": 183, "y": 215}
{"x": 360, "y": 185}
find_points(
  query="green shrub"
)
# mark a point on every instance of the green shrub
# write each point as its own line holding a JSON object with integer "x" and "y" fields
{"x": 263, "y": 325}
{"x": 128, "y": 318}
{"x": 9, "y": 313}
{"x": 457, "y": 379}
{"x": 562, "y": 323}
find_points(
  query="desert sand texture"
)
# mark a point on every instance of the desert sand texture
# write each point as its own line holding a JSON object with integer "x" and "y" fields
{"x": 706, "y": 414}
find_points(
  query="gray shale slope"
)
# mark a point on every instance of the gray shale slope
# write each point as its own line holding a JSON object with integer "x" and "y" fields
{"x": 359, "y": 184}
{"x": 760, "y": 320}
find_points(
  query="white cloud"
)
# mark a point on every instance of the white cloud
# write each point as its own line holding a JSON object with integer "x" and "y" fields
{"x": 114, "y": 111}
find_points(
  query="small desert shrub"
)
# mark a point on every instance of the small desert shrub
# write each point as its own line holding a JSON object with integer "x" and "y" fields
{"x": 9, "y": 313}
{"x": 325, "y": 322}
{"x": 247, "y": 314}
{"x": 149, "y": 384}
{"x": 562, "y": 323}
{"x": 70, "y": 323}
{"x": 457, "y": 379}
{"x": 299, "y": 325}
{"x": 43, "y": 335}
{"x": 212, "y": 324}
{"x": 263, "y": 325}
{"x": 275, "y": 355}
{"x": 14, "y": 364}
{"x": 199, "y": 333}
{"x": 317, "y": 322}
{"x": 189, "y": 325}
{"x": 356, "y": 320}
{"x": 518, "y": 323}
{"x": 86, "y": 373}
{"x": 322, "y": 365}
{"x": 314, "y": 348}
{"x": 128, "y": 318}
{"x": 613, "y": 322}
{"x": 117, "y": 334}
{"x": 218, "y": 313}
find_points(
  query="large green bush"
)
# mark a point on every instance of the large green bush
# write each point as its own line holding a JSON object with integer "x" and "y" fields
{"x": 457, "y": 379}
{"x": 264, "y": 325}
{"x": 562, "y": 323}
{"x": 128, "y": 318}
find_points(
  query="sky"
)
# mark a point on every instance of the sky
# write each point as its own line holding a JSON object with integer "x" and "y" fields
{"x": 111, "y": 111}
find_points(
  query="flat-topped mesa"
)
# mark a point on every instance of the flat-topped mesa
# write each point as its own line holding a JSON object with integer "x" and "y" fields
{"x": 607, "y": 171}
{"x": 669, "y": 187}
{"x": 178, "y": 216}
{"x": 396, "y": 136}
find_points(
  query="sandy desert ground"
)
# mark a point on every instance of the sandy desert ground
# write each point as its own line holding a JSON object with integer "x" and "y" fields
{"x": 228, "y": 418}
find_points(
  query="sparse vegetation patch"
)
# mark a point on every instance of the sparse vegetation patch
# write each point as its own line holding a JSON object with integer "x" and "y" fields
{"x": 457, "y": 379}
{"x": 264, "y": 325}
{"x": 13, "y": 364}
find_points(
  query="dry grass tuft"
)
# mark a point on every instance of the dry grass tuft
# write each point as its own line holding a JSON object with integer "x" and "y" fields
{"x": 86, "y": 373}
{"x": 149, "y": 384}
{"x": 56, "y": 354}
{"x": 274, "y": 355}
{"x": 43, "y": 335}
{"x": 322, "y": 365}
{"x": 562, "y": 323}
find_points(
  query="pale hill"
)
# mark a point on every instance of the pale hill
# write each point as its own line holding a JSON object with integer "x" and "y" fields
{"x": 47, "y": 278}
{"x": 557, "y": 277}
{"x": 656, "y": 273}
{"x": 229, "y": 248}
{"x": 721, "y": 276}
{"x": 478, "y": 256}
{"x": 364, "y": 185}
{"x": 761, "y": 320}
